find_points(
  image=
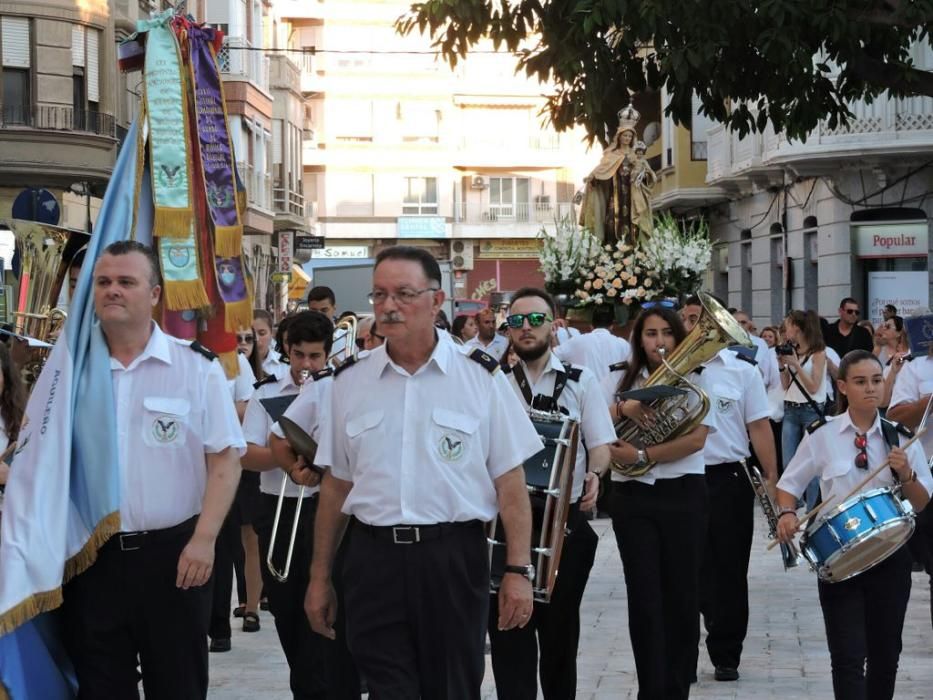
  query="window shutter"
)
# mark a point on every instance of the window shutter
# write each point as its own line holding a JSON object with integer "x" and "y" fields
{"x": 15, "y": 38}
{"x": 93, "y": 65}
{"x": 77, "y": 45}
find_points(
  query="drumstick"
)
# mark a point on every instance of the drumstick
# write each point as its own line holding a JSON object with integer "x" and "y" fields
{"x": 875, "y": 472}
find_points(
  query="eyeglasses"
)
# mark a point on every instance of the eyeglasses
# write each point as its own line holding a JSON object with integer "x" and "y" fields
{"x": 535, "y": 319}
{"x": 244, "y": 338}
{"x": 861, "y": 444}
{"x": 664, "y": 303}
{"x": 402, "y": 296}
{"x": 853, "y": 312}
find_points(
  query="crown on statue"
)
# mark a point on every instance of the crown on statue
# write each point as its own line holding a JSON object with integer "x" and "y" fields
{"x": 628, "y": 118}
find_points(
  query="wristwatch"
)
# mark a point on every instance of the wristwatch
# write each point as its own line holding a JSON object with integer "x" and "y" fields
{"x": 642, "y": 457}
{"x": 528, "y": 571}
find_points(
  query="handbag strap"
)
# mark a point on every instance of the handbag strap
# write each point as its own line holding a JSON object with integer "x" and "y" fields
{"x": 813, "y": 404}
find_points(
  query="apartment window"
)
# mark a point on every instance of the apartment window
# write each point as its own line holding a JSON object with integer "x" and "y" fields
{"x": 420, "y": 196}
{"x": 508, "y": 198}
{"x": 16, "y": 64}
{"x": 85, "y": 63}
{"x": 699, "y": 125}
{"x": 745, "y": 238}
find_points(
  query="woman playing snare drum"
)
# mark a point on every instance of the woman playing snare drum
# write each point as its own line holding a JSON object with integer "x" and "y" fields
{"x": 864, "y": 615}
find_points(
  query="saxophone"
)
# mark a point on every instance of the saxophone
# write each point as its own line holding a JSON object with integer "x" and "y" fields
{"x": 789, "y": 552}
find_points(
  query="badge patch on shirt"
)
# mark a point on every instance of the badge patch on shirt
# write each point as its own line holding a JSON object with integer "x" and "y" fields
{"x": 724, "y": 405}
{"x": 165, "y": 429}
{"x": 450, "y": 448}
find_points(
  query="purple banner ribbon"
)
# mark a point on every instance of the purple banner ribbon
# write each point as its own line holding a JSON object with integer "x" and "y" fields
{"x": 213, "y": 136}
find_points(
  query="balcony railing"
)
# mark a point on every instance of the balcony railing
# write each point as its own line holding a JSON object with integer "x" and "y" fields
{"x": 535, "y": 142}
{"x": 518, "y": 213}
{"x": 258, "y": 186}
{"x": 237, "y": 57}
{"x": 286, "y": 201}
{"x": 58, "y": 118}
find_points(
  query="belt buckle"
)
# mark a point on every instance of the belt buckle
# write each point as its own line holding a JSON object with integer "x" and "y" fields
{"x": 406, "y": 535}
{"x": 127, "y": 539}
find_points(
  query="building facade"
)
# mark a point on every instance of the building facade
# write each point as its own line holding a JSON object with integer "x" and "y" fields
{"x": 400, "y": 148}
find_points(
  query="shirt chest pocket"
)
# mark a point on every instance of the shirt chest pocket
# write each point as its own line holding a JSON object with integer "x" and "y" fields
{"x": 926, "y": 387}
{"x": 165, "y": 421}
{"x": 364, "y": 436}
{"x": 725, "y": 400}
{"x": 453, "y": 434}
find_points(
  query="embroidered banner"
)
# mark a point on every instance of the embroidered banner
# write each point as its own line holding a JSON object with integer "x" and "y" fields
{"x": 164, "y": 96}
{"x": 214, "y": 143}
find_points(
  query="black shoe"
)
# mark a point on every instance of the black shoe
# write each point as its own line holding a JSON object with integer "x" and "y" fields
{"x": 220, "y": 644}
{"x": 693, "y": 679}
{"x": 723, "y": 673}
{"x": 239, "y": 611}
{"x": 264, "y": 604}
{"x": 251, "y": 622}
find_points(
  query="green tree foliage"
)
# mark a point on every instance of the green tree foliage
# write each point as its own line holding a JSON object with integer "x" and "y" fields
{"x": 790, "y": 62}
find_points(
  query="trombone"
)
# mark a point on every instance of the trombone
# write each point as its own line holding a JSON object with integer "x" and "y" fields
{"x": 342, "y": 349}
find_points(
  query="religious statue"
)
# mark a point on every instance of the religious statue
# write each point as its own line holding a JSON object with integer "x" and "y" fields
{"x": 617, "y": 195}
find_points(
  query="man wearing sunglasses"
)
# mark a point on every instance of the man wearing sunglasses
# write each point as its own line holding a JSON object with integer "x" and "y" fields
{"x": 424, "y": 444}
{"x": 845, "y": 334}
{"x": 367, "y": 334}
{"x": 543, "y": 382}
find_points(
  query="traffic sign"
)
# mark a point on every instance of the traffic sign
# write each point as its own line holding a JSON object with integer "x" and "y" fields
{"x": 35, "y": 204}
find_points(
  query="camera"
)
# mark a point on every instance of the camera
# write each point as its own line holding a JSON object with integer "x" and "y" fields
{"x": 784, "y": 349}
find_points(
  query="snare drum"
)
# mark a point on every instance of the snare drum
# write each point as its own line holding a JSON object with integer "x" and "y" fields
{"x": 856, "y": 535}
{"x": 549, "y": 477}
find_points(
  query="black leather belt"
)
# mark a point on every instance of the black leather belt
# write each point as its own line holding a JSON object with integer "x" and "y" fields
{"x": 414, "y": 534}
{"x": 133, "y": 541}
{"x": 799, "y": 404}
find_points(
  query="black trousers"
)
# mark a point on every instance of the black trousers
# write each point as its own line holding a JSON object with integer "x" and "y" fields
{"x": 126, "y": 610}
{"x": 555, "y": 626}
{"x": 416, "y": 613}
{"x": 314, "y": 662}
{"x": 222, "y": 588}
{"x": 724, "y": 570}
{"x": 921, "y": 547}
{"x": 660, "y": 530}
{"x": 864, "y": 619}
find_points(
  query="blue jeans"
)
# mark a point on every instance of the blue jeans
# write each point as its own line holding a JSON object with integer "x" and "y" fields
{"x": 796, "y": 420}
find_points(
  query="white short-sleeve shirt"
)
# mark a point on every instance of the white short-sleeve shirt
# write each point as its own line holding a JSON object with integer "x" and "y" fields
{"x": 914, "y": 381}
{"x": 691, "y": 464}
{"x": 241, "y": 386}
{"x": 257, "y": 424}
{"x": 173, "y": 408}
{"x": 496, "y": 347}
{"x": 583, "y": 402}
{"x": 423, "y": 448}
{"x": 737, "y": 397}
{"x": 596, "y": 351}
{"x": 829, "y": 453}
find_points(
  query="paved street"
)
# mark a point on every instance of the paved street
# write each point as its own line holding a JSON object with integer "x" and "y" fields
{"x": 785, "y": 653}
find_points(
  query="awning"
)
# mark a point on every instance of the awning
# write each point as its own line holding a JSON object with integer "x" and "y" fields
{"x": 299, "y": 284}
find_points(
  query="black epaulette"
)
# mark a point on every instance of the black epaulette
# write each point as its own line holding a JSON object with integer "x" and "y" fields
{"x": 699, "y": 369}
{"x": 197, "y": 347}
{"x": 506, "y": 369}
{"x": 321, "y": 373}
{"x": 619, "y": 366}
{"x": 899, "y": 427}
{"x": 349, "y": 362}
{"x": 490, "y": 363}
{"x": 746, "y": 358}
{"x": 816, "y": 425}
{"x": 573, "y": 373}
{"x": 268, "y": 379}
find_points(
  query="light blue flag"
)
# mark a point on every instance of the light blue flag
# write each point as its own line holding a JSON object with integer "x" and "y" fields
{"x": 63, "y": 498}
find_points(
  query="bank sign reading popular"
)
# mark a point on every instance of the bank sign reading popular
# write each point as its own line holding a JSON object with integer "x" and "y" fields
{"x": 891, "y": 240}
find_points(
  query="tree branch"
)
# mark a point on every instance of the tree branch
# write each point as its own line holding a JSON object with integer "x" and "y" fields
{"x": 896, "y": 77}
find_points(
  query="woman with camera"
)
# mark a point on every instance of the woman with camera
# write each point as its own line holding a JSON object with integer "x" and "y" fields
{"x": 802, "y": 364}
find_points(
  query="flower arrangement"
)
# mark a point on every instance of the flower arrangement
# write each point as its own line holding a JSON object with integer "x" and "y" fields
{"x": 678, "y": 254}
{"x": 619, "y": 274}
{"x": 565, "y": 255}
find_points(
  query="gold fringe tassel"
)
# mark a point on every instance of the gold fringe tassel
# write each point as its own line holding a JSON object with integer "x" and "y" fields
{"x": 230, "y": 363}
{"x": 241, "y": 200}
{"x": 238, "y": 315}
{"x": 172, "y": 223}
{"x": 228, "y": 241}
{"x": 44, "y": 601}
{"x": 87, "y": 555}
{"x": 4, "y": 693}
{"x": 189, "y": 294}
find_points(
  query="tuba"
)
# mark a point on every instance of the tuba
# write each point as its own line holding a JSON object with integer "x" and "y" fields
{"x": 344, "y": 344}
{"x": 678, "y": 415}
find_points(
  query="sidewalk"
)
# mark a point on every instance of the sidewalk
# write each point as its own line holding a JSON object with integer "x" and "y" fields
{"x": 785, "y": 653}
